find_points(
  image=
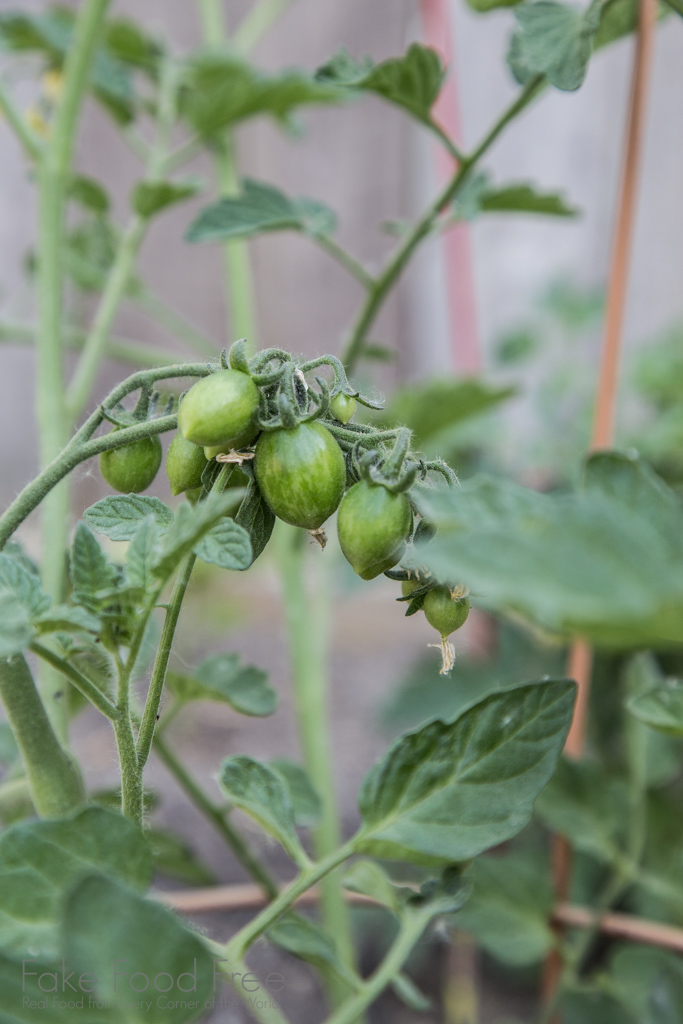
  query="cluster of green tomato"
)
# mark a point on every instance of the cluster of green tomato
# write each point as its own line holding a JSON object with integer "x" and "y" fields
{"x": 301, "y": 472}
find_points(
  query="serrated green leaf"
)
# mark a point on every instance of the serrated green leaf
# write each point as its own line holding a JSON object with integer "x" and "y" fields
{"x": 259, "y": 208}
{"x": 40, "y": 862}
{"x": 16, "y": 632}
{"x": 412, "y": 81}
{"x": 605, "y": 563}
{"x": 227, "y": 544}
{"x": 151, "y": 197}
{"x": 306, "y": 803}
{"x": 257, "y": 518}
{"x": 18, "y": 580}
{"x": 174, "y": 858}
{"x": 223, "y": 678}
{"x": 143, "y": 553}
{"x": 221, "y": 89}
{"x": 261, "y": 793}
{"x": 191, "y": 523}
{"x": 554, "y": 39}
{"x": 106, "y": 924}
{"x": 368, "y": 878}
{"x": 67, "y": 618}
{"x": 305, "y": 940}
{"x": 525, "y": 198}
{"x": 509, "y": 909}
{"x": 451, "y": 790}
{"x": 588, "y": 807}
{"x": 661, "y": 709}
{"x": 119, "y": 516}
{"x": 90, "y": 571}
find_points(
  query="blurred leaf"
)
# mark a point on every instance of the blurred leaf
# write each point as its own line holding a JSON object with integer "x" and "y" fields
{"x": 483, "y": 6}
{"x": 21, "y": 995}
{"x": 260, "y": 208}
{"x": 227, "y": 545}
{"x": 524, "y": 198}
{"x": 412, "y": 81}
{"x": 517, "y": 346}
{"x": 190, "y": 525}
{"x": 89, "y": 253}
{"x": 307, "y": 941}
{"x": 306, "y": 803}
{"x": 151, "y": 197}
{"x": 119, "y": 516}
{"x": 223, "y": 678}
{"x": 67, "y": 618}
{"x": 432, "y": 407}
{"x": 661, "y": 708}
{"x": 221, "y": 89}
{"x": 553, "y": 39}
{"x": 509, "y": 909}
{"x": 104, "y": 923}
{"x": 175, "y": 859}
{"x": 654, "y": 760}
{"x": 594, "y": 1008}
{"x": 89, "y": 193}
{"x": 25, "y": 587}
{"x": 262, "y": 793}
{"x": 126, "y": 41}
{"x": 142, "y": 554}
{"x": 605, "y": 563}
{"x": 451, "y": 790}
{"x": 582, "y": 803}
{"x": 40, "y": 862}
{"x": 369, "y": 878}
{"x": 256, "y": 517}
{"x": 648, "y": 983}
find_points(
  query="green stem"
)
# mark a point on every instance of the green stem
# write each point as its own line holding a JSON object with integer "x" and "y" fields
{"x": 77, "y": 679}
{"x": 345, "y": 259}
{"x": 386, "y": 280}
{"x": 53, "y": 776}
{"x": 126, "y": 350}
{"x": 261, "y": 1010}
{"x": 132, "y": 795}
{"x": 54, "y": 172}
{"x": 411, "y": 929}
{"x": 216, "y": 816}
{"x": 212, "y": 15}
{"x": 156, "y": 684}
{"x": 307, "y": 628}
{"x": 257, "y": 22}
{"x": 307, "y": 878}
{"x": 30, "y": 142}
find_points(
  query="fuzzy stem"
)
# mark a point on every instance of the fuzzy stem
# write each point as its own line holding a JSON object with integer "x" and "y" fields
{"x": 77, "y": 679}
{"x": 54, "y": 778}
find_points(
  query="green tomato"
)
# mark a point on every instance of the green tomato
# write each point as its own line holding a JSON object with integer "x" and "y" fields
{"x": 132, "y": 467}
{"x": 408, "y": 586}
{"x": 445, "y": 613}
{"x": 220, "y": 410}
{"x": 343, "y": 407}
{"x": 301, "y": 474}
{"x": 373, "y": 525}
{"x": 185, "y": 463}
{"x": 212, "y": 450}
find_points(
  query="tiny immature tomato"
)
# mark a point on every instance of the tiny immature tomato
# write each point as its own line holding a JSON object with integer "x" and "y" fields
{"x": 445, "y": 613}
{"x": 373, "y": 525}
{"x": 408, "y": 586}
{"x": 343, "y": 407}
{"x": 185, "y": 463}
{"x": 301, "y": 473}
{"x": 220, "y": 410}
{"x": 132, "y": 467}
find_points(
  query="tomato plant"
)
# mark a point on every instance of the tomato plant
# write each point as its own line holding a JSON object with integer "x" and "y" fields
{"x": 456, "y": 818}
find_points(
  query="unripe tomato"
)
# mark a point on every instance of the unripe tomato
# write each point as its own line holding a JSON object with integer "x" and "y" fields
{"x": 443, "y": 612}
{"x": 212, "y": 450}
{"x": 132, "y": 467}
{"x": 220, "y": 410}
{"x": 301, "y": 474}
{"x": 343, "y": 407}
{"x": 373, "y": 525}
{"x": 185, "y": 463}
{"x": 408, "y": 586}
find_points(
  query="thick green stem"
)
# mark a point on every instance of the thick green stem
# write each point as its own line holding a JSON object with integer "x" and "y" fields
{"x": 54, "y": 172}
{"x": 217, "y": 817}
{"x": 256, "y": 23}
{"x": 54, "y": 778}
{"x": 379, "y": 291}
{"x": 132, "y": 796}
{"x": 307, "y": 627}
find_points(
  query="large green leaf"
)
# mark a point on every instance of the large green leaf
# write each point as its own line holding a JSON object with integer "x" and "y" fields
{"x": 412, "y": 81}
{"x": 224, "y": 678}
{"x": 509, "y": 909}
{"x": 605, "y": 563}
{"x": 221, "y": 89}
{"x": 40, "y": 862}
{"x": 119, "y": 516}
{"x": 227, "y": 544}
{"x": 262, "y": 793}
{"x": 141, "y": 954}
{"x": 451, "y": 790}
{"x": 257, "y": 209}
{"x": 588, "y": 807}
{"x": 555, "y": 40}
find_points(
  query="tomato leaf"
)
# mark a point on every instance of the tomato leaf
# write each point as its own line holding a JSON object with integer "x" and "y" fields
{"x": 142, "y": 553}
{"x": 89, "y": 194}
{"x": 369, "y": 878}
{"x": 227, "y": 544}
{"x": 90, "y": 571}
{"x": 151, "y": 197}
{"x": 174, "y": 858}
{"x": 223, "y": 678}
{"x": 451, "y": 790}
{"x": 305, "y": 940}
{"x": 260, "y": 208}
{"x": 257, "y": 518}
{"x": 41, "y": 860}
{"x": 107, "y": 927}
{"x": 306, "y": 803}
{"x": 553, "y": 39}
{"x": 525, "y": 198}
{"x": 119, "y": 516}
{"x": 262, "y": 793}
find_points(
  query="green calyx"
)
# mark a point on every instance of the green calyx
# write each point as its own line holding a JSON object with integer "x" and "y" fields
{"x": 373, "y": 526}
{"x": 220, "y": 410}
{"x": 185, "y": 463}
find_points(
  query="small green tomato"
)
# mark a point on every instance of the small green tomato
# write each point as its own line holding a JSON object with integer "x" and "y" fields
{"x": 301, "y": 474}
{"x": 373, "y": 525}
{"x": 343, "y": 407}
{"x": 185, "y": 463}
{"x": 132, "y": 467}
{"x": 220, "y": 409}
{"x": 444, "y": 612}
